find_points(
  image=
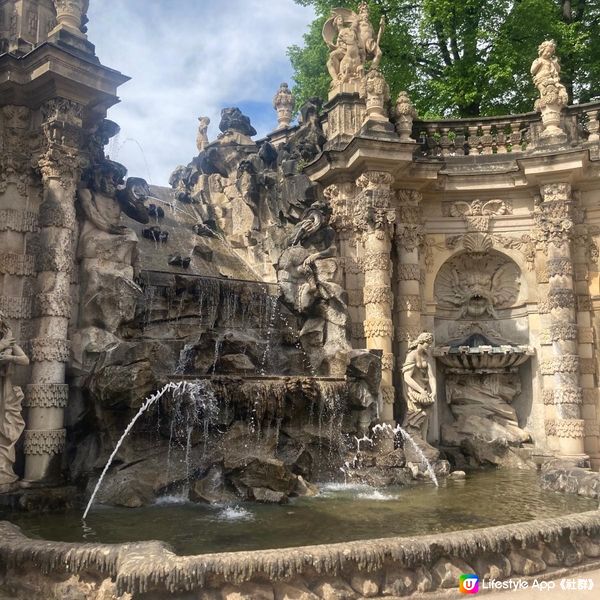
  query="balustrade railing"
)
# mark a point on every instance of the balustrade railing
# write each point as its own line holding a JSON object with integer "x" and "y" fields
{"x": 509, "y": 134}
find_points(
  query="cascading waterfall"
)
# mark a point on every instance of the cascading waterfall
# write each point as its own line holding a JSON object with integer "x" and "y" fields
{"x": 201, "y": 406}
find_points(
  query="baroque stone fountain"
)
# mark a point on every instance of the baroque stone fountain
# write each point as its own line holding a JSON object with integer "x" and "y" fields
{"x": 321, "y": 318}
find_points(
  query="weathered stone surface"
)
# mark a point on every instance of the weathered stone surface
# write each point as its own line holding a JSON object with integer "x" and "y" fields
{"x": 333, "y": 588}
{"x": 211, "y": 488}
{"x": 292, "y": 591}
{"x": 559, "y": 476}
{"x": 447, "y": 571}
{"x": 526, "y": 562}
{"x": 492, "y": 566}
{"x": 366, "y": 586}
{"x": 248, "y": 591}
{"x": 399, "y": 582}
{"x": 236, "y": 363}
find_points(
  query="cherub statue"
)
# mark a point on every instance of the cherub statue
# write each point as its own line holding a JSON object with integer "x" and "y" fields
{"x": 417, "y": 383}
{"x": 11, "y": 419}
{"x": 546, "y": 77}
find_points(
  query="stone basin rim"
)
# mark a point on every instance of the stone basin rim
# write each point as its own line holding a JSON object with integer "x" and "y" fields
{"x": 138, "y": 566}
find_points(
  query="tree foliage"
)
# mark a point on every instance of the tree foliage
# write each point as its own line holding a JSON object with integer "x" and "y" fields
{"x": 466, "y": 57}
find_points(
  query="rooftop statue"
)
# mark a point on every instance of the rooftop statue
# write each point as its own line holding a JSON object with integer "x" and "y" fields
{"x": 202, "y": 136}
{"x": 352, "y": 41}
{"x": 545, "y": 71}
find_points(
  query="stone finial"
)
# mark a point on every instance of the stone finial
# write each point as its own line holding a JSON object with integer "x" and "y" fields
{"x": 405, "y": 113}
{"x": 202, "y": 136}
{"x": 70, "y": 15}
{"x": 284, "y": 103}
{"x": 377, "y": 93}
{"x": 545, "y": 71}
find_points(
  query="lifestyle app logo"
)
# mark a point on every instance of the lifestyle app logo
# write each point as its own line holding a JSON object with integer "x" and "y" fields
{"x": 468, "y": 584}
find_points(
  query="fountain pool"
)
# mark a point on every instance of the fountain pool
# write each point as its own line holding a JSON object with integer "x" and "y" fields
{"x": 339, "y": 513}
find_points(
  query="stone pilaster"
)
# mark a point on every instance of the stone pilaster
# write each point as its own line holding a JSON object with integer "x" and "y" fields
{"x": 60, "y": 168}
{"x": 560, "y": 361}
{"x": 374, "y": 216}
{"x": 408, "y": 238}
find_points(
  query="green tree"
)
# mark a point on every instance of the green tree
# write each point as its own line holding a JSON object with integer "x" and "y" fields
{"x": 466, "y": 57}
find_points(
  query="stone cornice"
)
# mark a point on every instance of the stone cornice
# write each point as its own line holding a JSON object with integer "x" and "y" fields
{"x": 49, "y": 71}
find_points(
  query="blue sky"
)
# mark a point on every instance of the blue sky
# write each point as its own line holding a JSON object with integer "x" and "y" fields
{"x": 189, "y": 58}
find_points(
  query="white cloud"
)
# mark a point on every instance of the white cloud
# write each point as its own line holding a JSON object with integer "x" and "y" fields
{"x": 189, "y": 58}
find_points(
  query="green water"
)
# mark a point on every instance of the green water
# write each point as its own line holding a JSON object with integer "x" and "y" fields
{"x": 338, "y": 514}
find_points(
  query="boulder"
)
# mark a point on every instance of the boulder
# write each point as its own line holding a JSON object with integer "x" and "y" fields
{"x": 292, "y": 591}
{"x": 248, "y": 591}
{"x": 446, "y": 572}
{"x": 366, "y": 586}
{"x": 333, "y": 588}
{"x": 526, "y": 562}
{"x": 399, "y": 582}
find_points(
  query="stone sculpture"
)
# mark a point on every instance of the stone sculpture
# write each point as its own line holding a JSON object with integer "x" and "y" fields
{"x": 107, "y": 249}
{"x": 284, "y": 103}
{"x": 352, "y": 42}
{"x": 481, "y": 406}
{"x": 202, "y": 136}
{"x": 308, "y": 275}
{"x": 11, "y": 420}
{"x": 377, "y": 93}
{"x": 417, "y": 384}
{"x": 477, "y": 285}
{"x": 405, "y": 114}
{"x": 545, "y": 71}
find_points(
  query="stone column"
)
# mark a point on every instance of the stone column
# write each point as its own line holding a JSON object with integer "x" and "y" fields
{"x": 560, "y": 362}
{"x": 374, "y": 217}
{"x": 46, "y": 396}
{"x": 409, "y": 235}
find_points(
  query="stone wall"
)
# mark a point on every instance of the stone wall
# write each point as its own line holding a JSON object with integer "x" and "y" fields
{"x": 384, "y": 568}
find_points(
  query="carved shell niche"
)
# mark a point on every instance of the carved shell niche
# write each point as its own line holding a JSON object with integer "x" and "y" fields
{"x": 477, "y": 284}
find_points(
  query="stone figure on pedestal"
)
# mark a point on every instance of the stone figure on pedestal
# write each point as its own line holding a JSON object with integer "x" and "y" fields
{"x": 352, "y": 42}
{"x": 11, "y": 419}
{"x": 417, "y": 384}
{"x": 545, "y": 71}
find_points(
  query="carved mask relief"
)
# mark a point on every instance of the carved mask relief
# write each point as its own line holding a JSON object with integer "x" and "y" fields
{"x": 477, "y": 285}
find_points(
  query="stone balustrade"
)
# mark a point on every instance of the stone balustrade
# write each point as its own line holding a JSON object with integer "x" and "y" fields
{"x": 508, "y": 134}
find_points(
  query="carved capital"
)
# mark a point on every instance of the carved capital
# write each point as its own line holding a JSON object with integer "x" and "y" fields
{"x": 407, "y": 334}
{"x": 409, "y": 236}
{"x": 47, "y": 395}
{"x": 44, "y": 442}
{"x": 379, "y": 327}
{"x": 556, "y": 192}
{"x": 341, "y": 211}
{"x": 372, "y": 208}
{"x": 49, "y": 349}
